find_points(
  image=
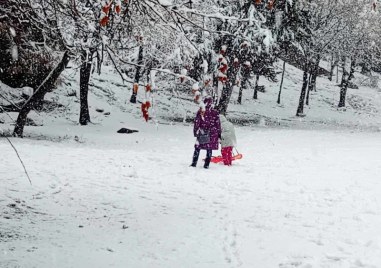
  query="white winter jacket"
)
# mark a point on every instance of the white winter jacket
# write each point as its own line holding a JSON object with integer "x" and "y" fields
{"x": 228, "y": 137}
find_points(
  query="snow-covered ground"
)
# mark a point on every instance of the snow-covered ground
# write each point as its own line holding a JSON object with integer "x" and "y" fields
{"x": 306, "y": 194}
{"x": 298, "y": 198}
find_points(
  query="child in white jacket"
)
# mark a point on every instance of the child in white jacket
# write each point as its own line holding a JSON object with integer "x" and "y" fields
{"x": 228, "y": 140}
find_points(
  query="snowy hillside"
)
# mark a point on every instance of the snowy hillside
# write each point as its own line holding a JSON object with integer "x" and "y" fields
{"x": 173, "y": 102}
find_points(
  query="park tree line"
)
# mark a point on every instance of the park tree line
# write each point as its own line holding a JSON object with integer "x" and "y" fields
{"x": 208, "y": 46}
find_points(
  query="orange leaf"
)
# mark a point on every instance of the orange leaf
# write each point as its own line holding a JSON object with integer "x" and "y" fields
{"x": 106, "y": 8}
{"x": 135, "y": 88}
{"x": 104, "y": 21}
{"x": 223, "y": 68}
{"x": 223, "y": 79}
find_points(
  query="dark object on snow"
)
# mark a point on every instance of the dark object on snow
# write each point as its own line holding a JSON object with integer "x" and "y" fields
{"x": 72, "y": 93}
{"x": 99, "y": 110}
{"x": 126, "y": 131}
{"x": 352, "y": 85}
{"x": 261, "y": 89}
{"x": 107, "y": 113}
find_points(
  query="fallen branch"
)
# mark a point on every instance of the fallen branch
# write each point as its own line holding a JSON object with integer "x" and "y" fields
{"x": 22, "y": 163}
{"x": 17, "y": 153}
{"x": 14, "y": 148}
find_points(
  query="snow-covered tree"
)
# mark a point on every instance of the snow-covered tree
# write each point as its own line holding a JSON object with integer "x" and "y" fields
{"x": 34, "y": 42}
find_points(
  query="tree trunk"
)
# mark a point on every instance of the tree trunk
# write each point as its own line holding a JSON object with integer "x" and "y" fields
{"x": 243, "y": 85}
{"x": 245, "y": 78}
{"x": 299, "y": 112}
{"x": 344, "y": 84}
{"x": 312, "y": 84}
{"x": 312, "y": 80}
{"x": 137, "y": 75}
{"x": 334, "y": 63}
{"x": 198, "y": 69}
{"x": 255, "y": 96}
{"x": 343, "y": 76}
{"x": 215, "y": 89}
{"x": 39, "y": 94}
{"x": 309, "y": 89}
{"x": 228, "y": 89}
{"x": 281, "y": 82}
{"x": 85, "y": 71}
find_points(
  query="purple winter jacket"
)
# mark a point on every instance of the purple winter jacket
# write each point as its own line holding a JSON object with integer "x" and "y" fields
{"x": 209, "y": 122}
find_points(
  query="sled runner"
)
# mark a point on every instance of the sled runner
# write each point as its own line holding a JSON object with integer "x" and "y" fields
{"x": 218, "y": 159}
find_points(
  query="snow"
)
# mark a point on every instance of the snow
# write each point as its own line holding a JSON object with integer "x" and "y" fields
{"x": 305, "y": 194}
{"x": 165, "y": 3}
{"x": 15, "y": 53}
{"x": 28, "y": 91}
{"x": 184, "y": 72}
{"x": 267, "y": 39}
{"x": 12, "y": 31}
{"x": 298, "y": 198}
{"x": 195, "y": 87}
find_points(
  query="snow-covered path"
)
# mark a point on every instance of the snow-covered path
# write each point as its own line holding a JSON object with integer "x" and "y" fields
{"x": 297, "y": 199}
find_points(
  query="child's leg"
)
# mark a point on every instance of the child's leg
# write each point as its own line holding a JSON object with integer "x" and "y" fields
{"x": 229, "y": 157}
{"x": 225, "y": 155}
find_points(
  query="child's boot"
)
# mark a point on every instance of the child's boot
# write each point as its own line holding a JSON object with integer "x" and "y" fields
{"x": 207, "y": 162}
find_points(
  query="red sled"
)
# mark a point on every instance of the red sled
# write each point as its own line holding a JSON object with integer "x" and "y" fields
{"x": 218, "y": 159}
